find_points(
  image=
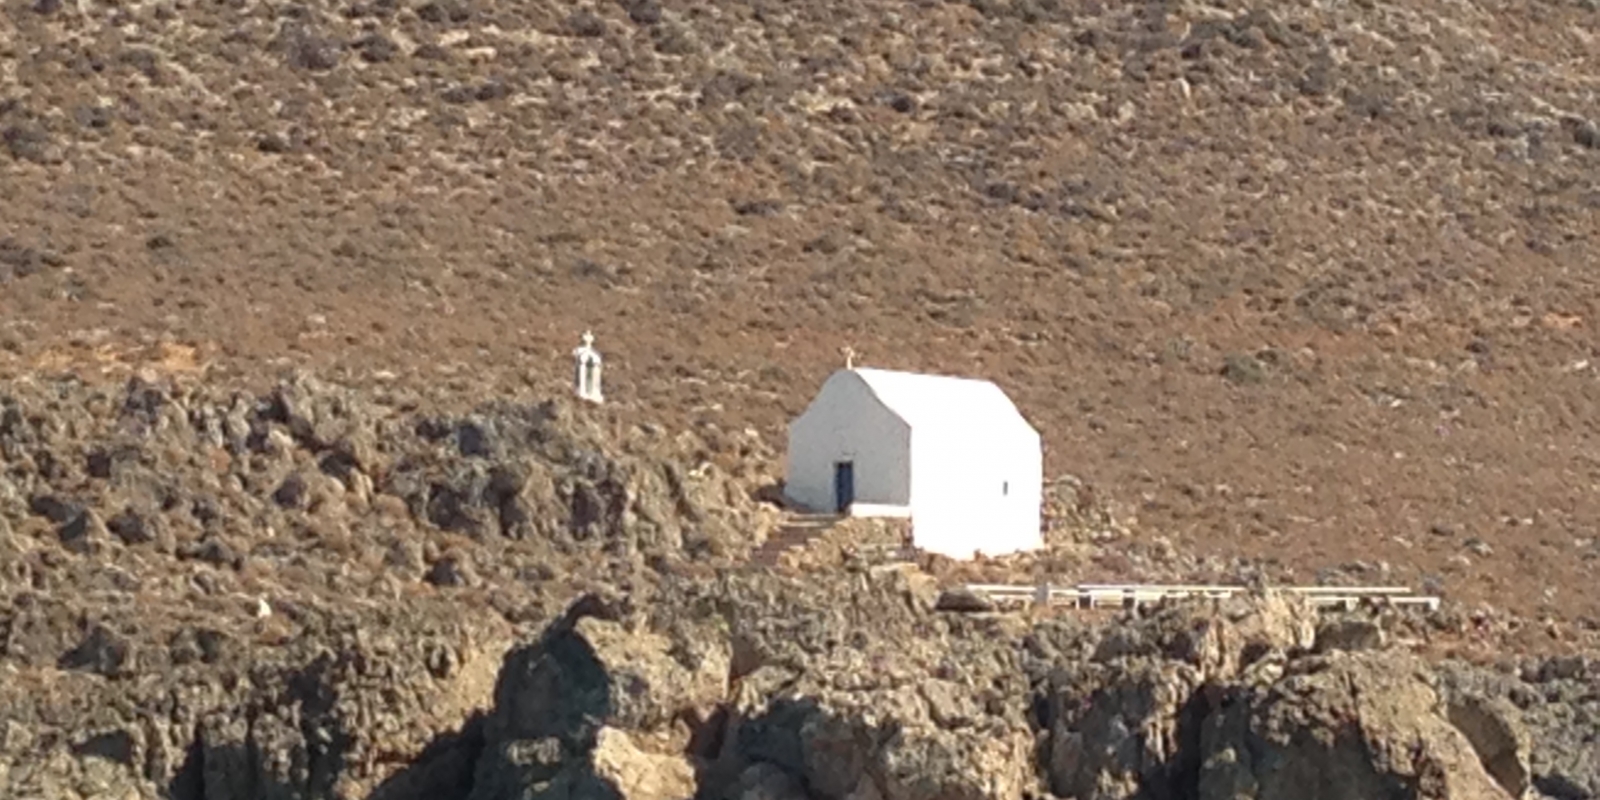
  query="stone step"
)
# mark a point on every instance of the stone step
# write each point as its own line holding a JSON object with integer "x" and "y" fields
{"x": 782, "y": 535}
{"x": 778, "y": 542}
{"x": 812, "y": 520}
{"x": 796, "y": 532}
{"x": 809, "y": 526}
{"x": 783, "y": 541}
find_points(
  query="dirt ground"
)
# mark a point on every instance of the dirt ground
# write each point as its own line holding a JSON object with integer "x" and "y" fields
{"x": 1307, "y": 281}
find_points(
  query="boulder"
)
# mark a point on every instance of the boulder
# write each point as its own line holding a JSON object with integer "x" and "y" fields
{"x": 1494, "y": 727}
{"x": 593, "y": 674}
{"x": 1340, "y": 727}
{"x": 636, "y": 774}
{"x": 1129, "y": 719}
{"x": 962, "y": 599}
{"x": 1347, "y": 633}
{"x": 865, "y": 698}
{"x": 885, "y": 745}
{"x": 1118, "y": 729}
{"x": 1558, "y": 708}
{"x": 587, "y": 671}
{"x": 1245, "y": 630}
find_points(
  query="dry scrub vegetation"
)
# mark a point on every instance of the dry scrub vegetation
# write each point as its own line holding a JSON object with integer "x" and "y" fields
{"x": 1302, "y": 282}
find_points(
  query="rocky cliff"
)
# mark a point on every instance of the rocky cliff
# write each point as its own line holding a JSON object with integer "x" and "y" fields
{"x": 853, "y": 687}
{"x": 314, "y": 591}
{"x": 287, "y": 592}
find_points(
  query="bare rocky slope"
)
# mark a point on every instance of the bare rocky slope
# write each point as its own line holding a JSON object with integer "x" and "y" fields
{"x": 1302, "y": 281}
{"x": 1294, "y": 291}
{"x": 194, "y": 574}
{"x": 314, "y": 590}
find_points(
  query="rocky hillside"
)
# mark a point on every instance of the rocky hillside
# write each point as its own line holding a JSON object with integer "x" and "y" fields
{"x": 1303, "y": 281}
{"x": 316, "y": 590}
{"x": 1302, "y": 292}
{"x": 187, "y": 571}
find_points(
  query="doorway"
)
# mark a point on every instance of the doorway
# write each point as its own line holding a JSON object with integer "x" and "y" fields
{"x": 844, "y": 485}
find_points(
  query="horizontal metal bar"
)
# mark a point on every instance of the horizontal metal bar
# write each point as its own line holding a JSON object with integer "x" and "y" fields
{"x": 1211, "y": 588}
{"x": 1099, "y": 595}
{"x": 1188, "y": 588}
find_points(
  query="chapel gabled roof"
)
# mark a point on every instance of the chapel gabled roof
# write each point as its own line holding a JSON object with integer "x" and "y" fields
{"x": 924, "y": 400}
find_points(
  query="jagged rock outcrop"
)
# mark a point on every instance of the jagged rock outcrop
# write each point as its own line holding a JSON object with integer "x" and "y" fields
{"x": 1129, "y": 718}
{"x": 573, "y": 708}
{"x": 263, "y": 594}
{"x": 307, "y": 593}
{"x": 1537, "y": 725}
{"x": 191, "y": 470}
{"x": 757, "y": 687}
{"x": 242, "y": 721}
{"x": 1340, "y": 727}
{"x": 637, "y": 774}
{"x": 1494, "y": 728}
{"x": 851, "y": 687}
{"x": 837, "y": 687}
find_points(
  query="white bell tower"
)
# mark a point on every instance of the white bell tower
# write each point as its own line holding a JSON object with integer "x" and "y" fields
{"x": 586, "y": 371}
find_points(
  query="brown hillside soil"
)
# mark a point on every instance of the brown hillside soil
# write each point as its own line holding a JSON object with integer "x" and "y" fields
{"x": 1312, "y": 281}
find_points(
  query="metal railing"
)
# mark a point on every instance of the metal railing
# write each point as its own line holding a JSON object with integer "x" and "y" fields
{"x": 1102, "y": 595}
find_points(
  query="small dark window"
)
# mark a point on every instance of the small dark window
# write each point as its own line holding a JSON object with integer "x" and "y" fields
{"x": 1005, "y": 489}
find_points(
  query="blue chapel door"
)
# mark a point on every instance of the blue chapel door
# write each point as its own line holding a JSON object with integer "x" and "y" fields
{"x": 844, "y": 485}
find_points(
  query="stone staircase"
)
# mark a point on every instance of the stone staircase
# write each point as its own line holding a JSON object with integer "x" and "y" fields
{"x": 797, "y": 531}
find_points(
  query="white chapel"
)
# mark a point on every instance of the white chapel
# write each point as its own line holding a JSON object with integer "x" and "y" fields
{"x": 953, "y": 454}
